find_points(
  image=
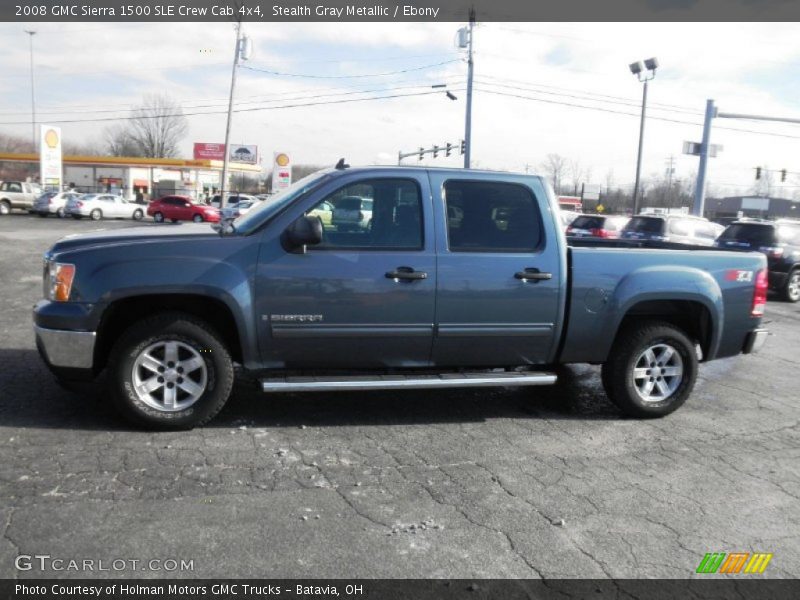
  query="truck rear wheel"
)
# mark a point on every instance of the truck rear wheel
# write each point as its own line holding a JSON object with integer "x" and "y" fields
{"x": 170, "y": 371}
{"x": 651, "y": 369}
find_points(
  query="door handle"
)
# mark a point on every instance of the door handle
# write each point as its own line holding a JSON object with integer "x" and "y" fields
{"x": 406, "y": 273}
{"x": 531, "y": 274}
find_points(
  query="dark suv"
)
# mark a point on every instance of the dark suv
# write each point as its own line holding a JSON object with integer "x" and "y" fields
{"x": 679, "y": 229}
{"x": 780, "y": 241}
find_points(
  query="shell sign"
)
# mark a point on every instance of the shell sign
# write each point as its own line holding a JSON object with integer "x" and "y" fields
{"x": 50, "y": 166}
{"x": 51, "y": 138}
{"x": 281, "y": 171}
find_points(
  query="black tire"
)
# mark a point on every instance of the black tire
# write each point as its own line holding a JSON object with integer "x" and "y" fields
{"x": 618, "y": 372}
{"x": 96, "y": 214}
{"x": 5, "y": 207}
{"x": 791, "y": 289}
{"x": 60, "y": 213}
{"x": 187, "y": 330}
{"x": 158, "y": 217}
{"x": 198, "y": 218}
{"x": 138, "y": 215}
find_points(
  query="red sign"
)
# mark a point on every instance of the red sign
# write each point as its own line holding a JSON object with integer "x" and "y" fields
{"x": 204, "y": 151}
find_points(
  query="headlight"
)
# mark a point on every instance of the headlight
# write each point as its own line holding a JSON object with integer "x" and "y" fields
{"x": 60, "y": 276}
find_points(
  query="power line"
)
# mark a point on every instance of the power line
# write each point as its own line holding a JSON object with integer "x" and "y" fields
{"x": 628, "y": 114}
{"x": 252, "y": 109}
{"x": 310, "y": 76}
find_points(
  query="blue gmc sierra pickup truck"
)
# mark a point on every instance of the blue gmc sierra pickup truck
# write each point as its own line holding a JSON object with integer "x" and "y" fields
{"x": 454, "y": 278}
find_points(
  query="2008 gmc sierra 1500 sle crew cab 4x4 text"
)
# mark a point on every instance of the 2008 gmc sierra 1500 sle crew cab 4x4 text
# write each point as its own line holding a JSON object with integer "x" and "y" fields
{"x": 459, "y": 278}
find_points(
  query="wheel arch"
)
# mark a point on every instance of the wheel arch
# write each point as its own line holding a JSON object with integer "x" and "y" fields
{"x": 124, "y": 312}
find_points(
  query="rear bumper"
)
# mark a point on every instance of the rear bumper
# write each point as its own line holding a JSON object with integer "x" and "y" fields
{"x": 66, "y": 349}
{"x": 754, "y": 341}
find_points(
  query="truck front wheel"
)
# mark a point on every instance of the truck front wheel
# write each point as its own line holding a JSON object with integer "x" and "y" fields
{"x": 170, "y": 371}
{"x": 651, "y": 369}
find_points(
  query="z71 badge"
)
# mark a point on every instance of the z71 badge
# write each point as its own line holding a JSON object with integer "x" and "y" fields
{"x": 739, "y": 276}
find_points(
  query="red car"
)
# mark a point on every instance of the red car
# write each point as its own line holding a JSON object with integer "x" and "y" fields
{"x": 181, "y": 208}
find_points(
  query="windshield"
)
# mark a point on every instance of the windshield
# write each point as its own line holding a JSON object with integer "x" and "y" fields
{"x": 264, "y": 211}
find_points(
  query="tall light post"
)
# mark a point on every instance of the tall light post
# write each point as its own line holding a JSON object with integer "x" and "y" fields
{"x": 32, "y": 33}
{"x": 465, "y": 42}
{"x": 243, "y": 49}
{"x": 644, "y": 72}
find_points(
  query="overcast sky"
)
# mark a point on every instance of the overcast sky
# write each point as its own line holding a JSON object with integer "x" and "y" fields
{"x": 559, "y": 69}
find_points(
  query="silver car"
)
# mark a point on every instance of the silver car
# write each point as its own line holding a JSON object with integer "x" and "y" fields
{"x": 53, "y": 203}
{"x": 103, "y": 206}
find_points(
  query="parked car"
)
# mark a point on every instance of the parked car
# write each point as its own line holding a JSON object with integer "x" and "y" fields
{"x": 17, "y": 194}
{"x": 53, "y": 203}
{"x": 566, "y": 217}
{"x": 351, "y": 213}
{"x": 779, "y": 241}
{"x": 678, "y": 229}
{"x": 181, "y": 208}
{"x": 416, "y": 301}
{"x": 597, "y": 226}
{"x": 240, "y": 208}
{"x": 102, "y": 206}
{"x": 232, "y": 200}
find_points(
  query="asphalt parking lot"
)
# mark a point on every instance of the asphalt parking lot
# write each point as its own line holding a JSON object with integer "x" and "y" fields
{"x": 488, "y": 483}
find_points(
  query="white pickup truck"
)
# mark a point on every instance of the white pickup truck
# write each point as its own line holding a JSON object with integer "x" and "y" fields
{"x": 17, "y": 194}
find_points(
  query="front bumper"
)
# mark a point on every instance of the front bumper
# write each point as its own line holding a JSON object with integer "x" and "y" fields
{"x": 755, "y": 340}
{"x": 66, "y": 349}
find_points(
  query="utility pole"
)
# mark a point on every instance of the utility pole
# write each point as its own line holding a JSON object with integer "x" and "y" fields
{"x": 470, "y": 69}
{"x": 222, "y": 190}
{"x": 700, "y": 188}
{"x": 33, "y": 92}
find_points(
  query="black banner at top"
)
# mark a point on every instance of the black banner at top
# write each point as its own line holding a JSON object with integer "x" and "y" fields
{"x": 394, "y": 10}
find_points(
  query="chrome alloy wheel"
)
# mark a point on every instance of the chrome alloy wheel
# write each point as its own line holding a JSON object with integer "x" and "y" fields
{"x": 793, "y": 287}
{"x": 657, "y": 373}
{"x": 169, "y": 376}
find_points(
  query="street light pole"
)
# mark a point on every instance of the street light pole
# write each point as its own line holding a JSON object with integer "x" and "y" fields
{"x": 639, "y": 155}
{"x": 224, "y": 182}
{"x": 32, "y": 33}
{"x": 638, "y": 69}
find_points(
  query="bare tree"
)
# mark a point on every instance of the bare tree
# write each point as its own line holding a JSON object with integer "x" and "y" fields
{"x": 15, "y": 143}
{"x": 764, "y": 186}
{"x": 157, "y": 127}
{"x": 119, "y": 142}
{"x": 578, "y": 175}
{"x": 86, "y": 148}
{"x": 554, "y": 167}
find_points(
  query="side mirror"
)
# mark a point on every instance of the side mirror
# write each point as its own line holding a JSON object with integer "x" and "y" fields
{"x": 303, "y": 232}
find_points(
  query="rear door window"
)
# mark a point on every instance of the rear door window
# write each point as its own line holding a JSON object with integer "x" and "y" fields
{"x": 683, "y": 227}
{"x": 488, "y": 216}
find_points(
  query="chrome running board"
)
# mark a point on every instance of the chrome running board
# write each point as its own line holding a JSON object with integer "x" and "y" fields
{"x": 406, "y": 382}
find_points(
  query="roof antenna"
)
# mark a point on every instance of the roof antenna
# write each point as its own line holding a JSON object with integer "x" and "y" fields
{"x": 342, "y": 165}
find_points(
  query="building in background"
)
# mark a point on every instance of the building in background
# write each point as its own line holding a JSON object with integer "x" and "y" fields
{"x": 129, "y": 176}
{"x": 732, "y": 207}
